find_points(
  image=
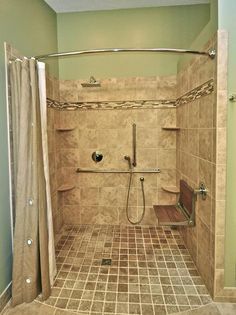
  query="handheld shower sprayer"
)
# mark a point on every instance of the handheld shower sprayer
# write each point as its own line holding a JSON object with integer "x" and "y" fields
{"x": 131, "y": 171}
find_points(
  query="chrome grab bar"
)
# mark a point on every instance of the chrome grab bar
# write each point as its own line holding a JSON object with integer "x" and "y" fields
{"x": 87, "y": 170}
{"x": 134, "y": 145}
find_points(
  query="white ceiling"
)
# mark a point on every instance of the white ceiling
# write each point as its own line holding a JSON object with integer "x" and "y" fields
{"x": 61, "y": 6}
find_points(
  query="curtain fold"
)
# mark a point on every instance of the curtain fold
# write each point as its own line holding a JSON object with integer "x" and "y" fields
{"x": 43, "y": 114}
{"x": 31, "y": 256}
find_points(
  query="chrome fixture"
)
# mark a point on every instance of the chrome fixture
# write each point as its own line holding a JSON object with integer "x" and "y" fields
{"x": 211, "y": 53}
{"x": 232, "y": 98}
{"x": 97, "y": 156}
{"x": 131, "y": 172}
{"x": 136, "y": 171}
{"x": 134, "y": 146}
{"x": 202, "y": 191}
{"x": 92, "y": 83}
{"x": 127, "y": 158}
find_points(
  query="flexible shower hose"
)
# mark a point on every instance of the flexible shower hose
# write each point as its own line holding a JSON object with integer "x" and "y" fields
{"x": 127, "y": 200}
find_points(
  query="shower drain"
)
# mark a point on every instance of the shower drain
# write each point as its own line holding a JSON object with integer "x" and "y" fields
{"x": 106, "y": 262}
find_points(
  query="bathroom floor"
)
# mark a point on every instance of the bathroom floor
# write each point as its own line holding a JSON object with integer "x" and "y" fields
{"x": 151, "y": 271}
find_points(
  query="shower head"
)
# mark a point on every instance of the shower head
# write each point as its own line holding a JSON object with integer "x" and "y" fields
{"x": 92, "y": 83}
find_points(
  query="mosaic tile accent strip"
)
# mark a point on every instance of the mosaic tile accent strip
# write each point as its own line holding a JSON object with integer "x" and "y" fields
{"x": 151, "y": 272}
{"x": 202, "y": 90}
{"x": 110, "y": 105}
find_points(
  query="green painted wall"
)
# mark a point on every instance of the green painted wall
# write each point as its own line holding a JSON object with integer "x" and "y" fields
{"x": 173, "y": 27}
{"x": 227, "y": 11}
{"x": 30, "y": 26}
{"x": 206, "y": 33}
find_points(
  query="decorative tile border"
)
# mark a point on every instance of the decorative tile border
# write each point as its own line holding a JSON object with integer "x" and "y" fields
{"x": 202, "y": 90}
{"x": 111, "y": 104}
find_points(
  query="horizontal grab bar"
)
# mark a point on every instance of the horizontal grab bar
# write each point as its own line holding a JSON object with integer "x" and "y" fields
{"x": 149, "y": 171}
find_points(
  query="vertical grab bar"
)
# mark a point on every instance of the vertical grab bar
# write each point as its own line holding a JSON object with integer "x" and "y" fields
{"x": 134, "y": 146}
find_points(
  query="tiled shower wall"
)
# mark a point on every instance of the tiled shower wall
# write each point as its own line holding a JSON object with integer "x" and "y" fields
{"x": 201, "y": 157}
{"x": 101, "y": 198}
{"x": 197, "y": 154}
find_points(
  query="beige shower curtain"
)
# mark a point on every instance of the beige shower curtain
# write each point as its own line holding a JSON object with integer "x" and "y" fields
{"x": 33, "y": 254}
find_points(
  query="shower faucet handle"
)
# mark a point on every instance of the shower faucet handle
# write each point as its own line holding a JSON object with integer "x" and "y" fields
{"x": 202, "y": 190}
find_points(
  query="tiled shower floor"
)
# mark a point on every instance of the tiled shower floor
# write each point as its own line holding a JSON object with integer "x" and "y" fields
{"x": 151, "y": 272}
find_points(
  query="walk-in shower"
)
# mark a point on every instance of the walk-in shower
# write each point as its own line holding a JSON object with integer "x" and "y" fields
{"x": 150, "y": 270}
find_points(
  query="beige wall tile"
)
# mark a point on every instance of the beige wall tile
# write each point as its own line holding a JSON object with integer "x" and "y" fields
{"x": 206, "y": 144}
{"x": 194, "y": 113}
{"x": 206, "y": 111}
{"x": 166, "y": 159}
{"x": 69, "y": 157}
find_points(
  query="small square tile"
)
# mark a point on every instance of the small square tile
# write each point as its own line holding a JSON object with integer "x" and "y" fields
{"x": 122, "y": 308}
{"x": 122, "y": 297}
{"x": 182, "y": 300}
{"x": 109, "y": 307}
{"x": 146, "y": 298}
{"x": 112, "y": 287}
{"x": 110, "y": 296}
{"x": 73, "y": 304}
{"x": 134, "y": 309}
{"x": 172, "y": 309}
{"x": 101, "y": 286}
{"x": 178, "y": 289}
{"x": 76, "y": 294}
{"x": 147, "y": 309}
{"x": 169, "y": 299}
{"x": 87, "y": 295}
{"x": 194, "y": 300}
{"x": 90, "y": 285}
{"x": 190, "y": 289}
{"x": 122, "y": 287}
{"x": 99, "y": 295}
{"x": 97, "y": 306}
{"x": 134, "y": 298}
{"x": 85, "y": 305}
{"x": 61, "y": 303}
{"x": 157, "y": 299}
{"x": 165, "y": 280}
{"x": 159, "y": 310}
{"x": 167, "y": 289}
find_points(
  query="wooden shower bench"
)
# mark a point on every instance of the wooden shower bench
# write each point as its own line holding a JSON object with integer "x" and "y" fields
{"x": 181, "y": 214}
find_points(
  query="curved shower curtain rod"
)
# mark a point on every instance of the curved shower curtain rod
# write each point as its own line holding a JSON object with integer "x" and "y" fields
{"x": 211, "y": 53}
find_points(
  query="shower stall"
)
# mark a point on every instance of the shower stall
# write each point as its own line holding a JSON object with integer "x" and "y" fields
{"x": 118, "y": 147}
